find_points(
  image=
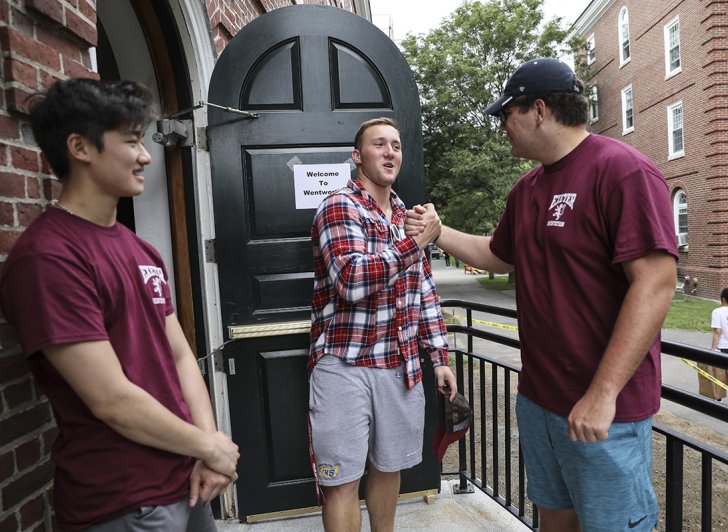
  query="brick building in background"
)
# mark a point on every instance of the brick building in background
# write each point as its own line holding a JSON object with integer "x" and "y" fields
{"x": 171, "y": 45}
{"x": 661, "y": 85}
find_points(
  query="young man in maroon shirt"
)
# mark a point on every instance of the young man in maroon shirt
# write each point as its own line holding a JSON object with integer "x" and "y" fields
{"x": 137, "y": 446}
{"x": 590, "y": 235}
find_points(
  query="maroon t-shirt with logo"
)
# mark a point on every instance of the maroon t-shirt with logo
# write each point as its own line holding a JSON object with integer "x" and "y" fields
{"x": 567, "y": 229}
{"x": 68, "y": 280}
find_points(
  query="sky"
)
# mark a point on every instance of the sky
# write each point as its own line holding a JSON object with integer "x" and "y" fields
{"x": 410, "y": 16}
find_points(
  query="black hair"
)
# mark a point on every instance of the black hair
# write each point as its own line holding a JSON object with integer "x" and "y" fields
{"x": 724, "y": 294}
{"x": 90, "y": 108}
{"x": 569, "y": 108}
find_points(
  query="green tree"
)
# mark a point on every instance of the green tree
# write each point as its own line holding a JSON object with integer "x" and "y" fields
{"x": 460, "y": 68}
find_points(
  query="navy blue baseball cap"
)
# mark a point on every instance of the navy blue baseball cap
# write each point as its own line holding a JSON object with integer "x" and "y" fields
{"x": 537, "y": 76}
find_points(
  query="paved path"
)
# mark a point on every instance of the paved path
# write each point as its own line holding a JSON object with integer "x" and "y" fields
{"x": 453, "y": 283}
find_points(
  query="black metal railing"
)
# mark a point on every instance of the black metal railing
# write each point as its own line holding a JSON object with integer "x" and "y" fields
{"x": 489, "y": 458}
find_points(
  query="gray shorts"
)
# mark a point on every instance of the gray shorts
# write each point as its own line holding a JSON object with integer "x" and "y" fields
{"x": 358, "y": 413}
{"x": 176, "y": 517}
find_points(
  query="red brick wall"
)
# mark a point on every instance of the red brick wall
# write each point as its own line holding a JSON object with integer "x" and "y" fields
{"x": 42, "y": 41}
{"x": 228, "y": 16}
{"x": 702, "y": 88}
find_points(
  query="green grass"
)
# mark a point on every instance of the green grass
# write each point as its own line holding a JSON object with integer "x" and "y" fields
{"x": 690, "y": 313}
{"x": 499, "y": 282}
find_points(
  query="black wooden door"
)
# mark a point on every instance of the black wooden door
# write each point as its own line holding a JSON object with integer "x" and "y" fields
{"x": 312, "y": 74}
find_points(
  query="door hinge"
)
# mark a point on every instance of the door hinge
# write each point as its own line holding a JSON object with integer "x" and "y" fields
{"x": 231, "y": 366}
{"x": 172, "y": 132}
{"x": 210, "y": 251}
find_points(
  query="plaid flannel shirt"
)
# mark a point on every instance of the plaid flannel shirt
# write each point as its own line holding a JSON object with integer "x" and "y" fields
{"x": 374, "y": 296}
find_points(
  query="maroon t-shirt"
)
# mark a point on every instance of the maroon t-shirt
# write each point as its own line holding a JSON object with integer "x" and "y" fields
{"x": 68, "y": 280}
{"x": 567, "y": 229}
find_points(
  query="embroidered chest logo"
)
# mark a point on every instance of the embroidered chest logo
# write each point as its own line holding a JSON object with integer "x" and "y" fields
{"x": 156, "y": 276}
{"x": 559, "y": 203}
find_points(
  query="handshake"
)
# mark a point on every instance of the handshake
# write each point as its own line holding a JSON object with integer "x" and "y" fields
{"x": 423, "y": 224}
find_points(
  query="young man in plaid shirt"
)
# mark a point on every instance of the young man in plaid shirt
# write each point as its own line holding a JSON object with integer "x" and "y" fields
{"x": 374, "y": 299}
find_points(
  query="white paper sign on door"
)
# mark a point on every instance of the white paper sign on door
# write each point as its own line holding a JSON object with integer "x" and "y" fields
{"x": 314, "y": 182}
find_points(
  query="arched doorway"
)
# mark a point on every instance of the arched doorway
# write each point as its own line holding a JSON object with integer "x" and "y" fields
{"x": 167, "y": 46}
{"x": 132, "y": 46}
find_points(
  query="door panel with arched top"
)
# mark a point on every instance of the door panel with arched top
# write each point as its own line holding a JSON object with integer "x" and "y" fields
{"x": 312, "y": 75}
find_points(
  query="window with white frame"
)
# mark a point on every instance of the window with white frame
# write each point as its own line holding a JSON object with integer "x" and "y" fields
{"x": 593, "y": 104}
{"x": 676, "y": 137}
{"x": 624, "y": 54}
{"x": 680, "y": 214}
{"x": 591, "y": 52}
{"x": 627, "y": 110}
{"x": 672, "y": 47}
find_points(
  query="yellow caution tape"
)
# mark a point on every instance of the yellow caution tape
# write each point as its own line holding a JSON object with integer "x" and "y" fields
{"x": 489, "y": 323}
{"x": 705, "y": 374}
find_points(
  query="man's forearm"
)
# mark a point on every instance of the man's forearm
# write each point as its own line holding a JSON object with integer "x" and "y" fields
{"x": 194, "y": 391}
{"x": 141, "y": 418}
{"x": 472, "y": 249}
{"x": 357, "y": 275}
{"x": 195, "y": 394}
{"x": 149, "y": 423}
{"x": 93, "y": 370}
{"x": 716, "y": 338}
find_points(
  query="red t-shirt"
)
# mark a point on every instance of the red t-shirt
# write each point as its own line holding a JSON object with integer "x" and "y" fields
{"x": 567, "y": 229}
{"x": 68, "y": 280}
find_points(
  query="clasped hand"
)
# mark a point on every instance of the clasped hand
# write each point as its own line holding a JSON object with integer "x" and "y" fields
{"x": 423, "y": 224}
{"x": 211, "y": 475}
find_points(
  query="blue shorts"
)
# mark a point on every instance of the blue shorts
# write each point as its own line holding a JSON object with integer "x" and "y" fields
{"x": 608, "y": 483}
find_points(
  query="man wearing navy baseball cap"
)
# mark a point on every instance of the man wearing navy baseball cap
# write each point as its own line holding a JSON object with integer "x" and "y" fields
{"x": 590, "y": 235}
{"x": 537, "y": 76}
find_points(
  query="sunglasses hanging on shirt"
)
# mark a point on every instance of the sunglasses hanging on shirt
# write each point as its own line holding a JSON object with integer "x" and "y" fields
{"x": 396, "y": 233}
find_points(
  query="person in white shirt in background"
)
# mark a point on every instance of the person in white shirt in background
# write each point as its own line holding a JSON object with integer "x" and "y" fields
{"x": 719, "y": 323}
